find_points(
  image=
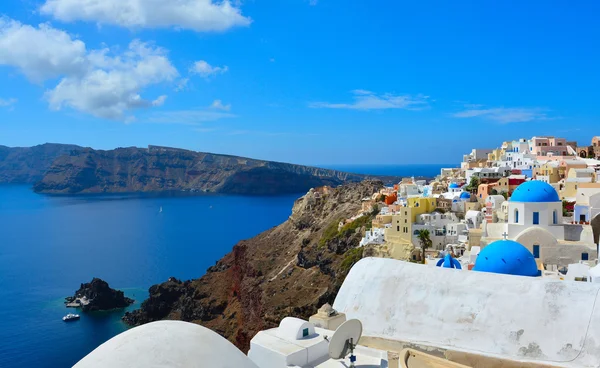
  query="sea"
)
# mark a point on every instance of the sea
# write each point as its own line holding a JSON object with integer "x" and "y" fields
{"x": 49, "y": 245}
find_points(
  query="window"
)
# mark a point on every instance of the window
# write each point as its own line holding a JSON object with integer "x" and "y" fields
{"x": 554, "y": 218}
{"x": 536, "y": 218}
{"x": 405, "y": 221}
{"x": 516, "y": 216}
{"x": 398, "y": 228}
{"x": 584, "y": 256}
{"x": 414, "y": 257}
{"x": 305, "y": 332}
{"x": 536, "y": 251}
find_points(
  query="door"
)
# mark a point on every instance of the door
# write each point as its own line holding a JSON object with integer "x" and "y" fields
{"x": 536, "y": 218}
{"x": 582, "y": 218}
{"x": 536, "y": 251}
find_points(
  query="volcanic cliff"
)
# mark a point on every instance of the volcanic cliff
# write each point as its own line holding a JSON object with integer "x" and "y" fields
{"x": 156, "y": 169}
{"x": 289, "y": 270}
{"x": 29, "y": 164}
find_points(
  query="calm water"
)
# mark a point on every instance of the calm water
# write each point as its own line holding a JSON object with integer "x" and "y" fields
{"x": 49, "y": 245}
{"x": 427, "y": 170}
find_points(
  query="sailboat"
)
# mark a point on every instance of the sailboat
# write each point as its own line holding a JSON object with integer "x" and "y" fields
{"x": 160, "y": 210}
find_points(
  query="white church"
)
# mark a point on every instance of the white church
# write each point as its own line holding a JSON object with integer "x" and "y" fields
{"x": 535, "y": 220}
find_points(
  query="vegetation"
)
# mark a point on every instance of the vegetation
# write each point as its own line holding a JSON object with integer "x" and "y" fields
{"x": 473, "y": 184}
{"x": 351, "y": 257}
{"x": 381, "y": 198}
{"x": 425, "y": 242}
{"x": 348, "y": 229}
{"x": 565, "y": 210}
{"x": 331, "y": 231}
{"x": 494, "y": 192}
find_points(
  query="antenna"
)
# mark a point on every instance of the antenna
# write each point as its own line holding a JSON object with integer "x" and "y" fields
{"x": 344, "y": 340}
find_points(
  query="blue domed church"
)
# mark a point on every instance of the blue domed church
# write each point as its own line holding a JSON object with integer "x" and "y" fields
{"x": 535, "y": 221}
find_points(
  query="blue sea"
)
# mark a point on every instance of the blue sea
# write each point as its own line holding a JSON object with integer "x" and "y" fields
{"x": 426, "y": 170}
{"x": 51, "y": 244}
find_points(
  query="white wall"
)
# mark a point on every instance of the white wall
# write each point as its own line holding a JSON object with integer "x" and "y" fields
{"x": 520, "y": 318}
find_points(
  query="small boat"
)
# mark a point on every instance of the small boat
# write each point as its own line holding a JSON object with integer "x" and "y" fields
{"x": 70, "y": 317}
{"x": 160, "y": 210}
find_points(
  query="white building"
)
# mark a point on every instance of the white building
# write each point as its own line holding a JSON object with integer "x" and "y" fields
{"x": 487, "y": 173}
{"x": 373, "y": 236}
{"x": 535, "y": 220}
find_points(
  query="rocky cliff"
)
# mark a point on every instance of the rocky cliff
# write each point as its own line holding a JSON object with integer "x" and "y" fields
{"x": 98, "y": 296}
{"x": 28, "y": 164}
{"x": 289, "y": 270}
{"x": 167, "y": 169}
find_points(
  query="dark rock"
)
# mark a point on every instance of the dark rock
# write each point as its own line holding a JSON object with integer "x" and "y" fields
{"x": 98, "y": 296}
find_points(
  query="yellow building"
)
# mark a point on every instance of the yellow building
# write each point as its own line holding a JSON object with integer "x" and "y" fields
{"x": 401, "y": 230}
{"x": 550, "y": 171}
{"x": 381, "y": 220}
{"x": 496, "y": 155}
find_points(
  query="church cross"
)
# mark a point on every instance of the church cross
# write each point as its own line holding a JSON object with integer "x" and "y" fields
{"x": 505, "y": 235}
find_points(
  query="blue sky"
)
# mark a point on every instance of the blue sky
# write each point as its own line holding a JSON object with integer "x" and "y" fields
{"x": 310, "y": 82}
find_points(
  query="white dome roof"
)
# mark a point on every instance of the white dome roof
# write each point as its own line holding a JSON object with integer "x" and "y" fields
{"x": 172, "y": 344}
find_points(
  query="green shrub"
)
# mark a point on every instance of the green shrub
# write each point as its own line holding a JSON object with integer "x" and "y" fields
{"x": 351, "y": 257}
{"x": 331, "y": 231}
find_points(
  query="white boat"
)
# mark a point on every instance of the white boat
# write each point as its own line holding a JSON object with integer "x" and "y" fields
{"x": 160, "y": 210}
{"x": 70, "y": 317}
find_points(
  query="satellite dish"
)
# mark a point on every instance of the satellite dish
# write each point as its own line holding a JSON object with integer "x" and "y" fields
{"x": 344, "y": 340}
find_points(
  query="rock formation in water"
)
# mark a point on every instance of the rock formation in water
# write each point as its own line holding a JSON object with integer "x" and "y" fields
{"x": 29, "y": 164}
{"x": 158, "y": 169}
{"x": 98, "y": 296}
{"x": 290, "y": 270}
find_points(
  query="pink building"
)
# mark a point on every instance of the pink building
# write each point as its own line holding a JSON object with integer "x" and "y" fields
{"x": 541, "y": 146}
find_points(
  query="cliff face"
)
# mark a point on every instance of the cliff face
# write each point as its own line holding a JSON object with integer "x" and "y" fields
{"x": 28, "y": 164}
{"x": 290, "y": 270}
{"x": 168, "y": 169}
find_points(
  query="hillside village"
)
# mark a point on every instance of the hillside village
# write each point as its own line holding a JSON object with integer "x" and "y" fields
{"x": 542, "y": 193}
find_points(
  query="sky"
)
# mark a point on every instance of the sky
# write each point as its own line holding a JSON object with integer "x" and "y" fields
{"x": 316, "y": 82}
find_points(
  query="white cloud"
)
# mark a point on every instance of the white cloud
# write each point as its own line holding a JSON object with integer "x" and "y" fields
{"x": 196, "y": 15}
{"x": 367, "y": 100}
{"x": 189, "y": 117}
{"x": 102, "y": 83}
{"x": 503, "y": 115}
{"x": 204, "y": 130}
{"x": 313, "y": 2}
{"x": 7, "y": 102}
{"x": 218, "y": 105}
{"x": 159, "y": 101}
{"x": 182, "y": 85}
{"x": 206, "y": 70}
{"x": 42, "y": 52}
{"x": 272, "y": 60}
{"x": 112, "y": 85}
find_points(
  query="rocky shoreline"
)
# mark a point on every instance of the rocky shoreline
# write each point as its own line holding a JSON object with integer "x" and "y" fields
{"x": 97, "y": 296}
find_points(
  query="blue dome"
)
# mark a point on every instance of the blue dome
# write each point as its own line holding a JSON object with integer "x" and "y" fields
{"x": 535, "y": 191}
{"x": 506, "y": 257}
{"x": 465, "y": 195}
{"x": 453, "y": 186}
{"x": 448, "y": 262}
